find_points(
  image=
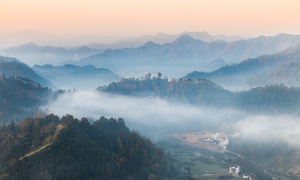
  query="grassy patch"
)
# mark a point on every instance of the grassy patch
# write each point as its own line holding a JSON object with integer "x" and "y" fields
{"x": 199, "y": 169}
{"x": 38, "y": 150}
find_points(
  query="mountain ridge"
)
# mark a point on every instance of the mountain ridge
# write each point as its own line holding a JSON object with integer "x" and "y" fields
{"x": 70, "y": 76}
{"x": 14, "y": 67}
{"x": 188, "y": 52}
{"x": 245, "y": 70}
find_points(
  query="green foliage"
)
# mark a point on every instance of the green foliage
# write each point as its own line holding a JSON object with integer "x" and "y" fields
{"x": 68, "y": 148}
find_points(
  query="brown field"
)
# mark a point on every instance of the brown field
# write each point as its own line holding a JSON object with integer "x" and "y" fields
{"x": 194, "y": 139}
{"x": 295, "y": 170}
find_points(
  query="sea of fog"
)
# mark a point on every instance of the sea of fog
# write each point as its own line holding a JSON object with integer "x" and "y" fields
{"x": 155, "y": 117}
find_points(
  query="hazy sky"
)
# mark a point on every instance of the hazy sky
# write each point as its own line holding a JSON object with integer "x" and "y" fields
{"x": 139, "y": 17}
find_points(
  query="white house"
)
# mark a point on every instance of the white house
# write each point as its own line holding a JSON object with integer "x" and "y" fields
{"x": 234, "y": 170}
{"x": 215, "y": 136}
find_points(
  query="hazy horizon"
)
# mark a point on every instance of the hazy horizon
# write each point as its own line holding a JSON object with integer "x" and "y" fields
{"x": 136, "y": 18}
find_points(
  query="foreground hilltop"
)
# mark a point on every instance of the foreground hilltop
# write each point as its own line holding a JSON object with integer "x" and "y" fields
{"x": 68, "y": 148}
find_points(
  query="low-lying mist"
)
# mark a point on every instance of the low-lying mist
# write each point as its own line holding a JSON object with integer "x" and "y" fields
{"x": 155, "y": 117}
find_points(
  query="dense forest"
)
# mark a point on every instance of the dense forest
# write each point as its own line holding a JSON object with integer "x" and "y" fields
{"x": 196, "y": 92}
{"x": 19, "y": 97}
{"x": 272, "y": 98}
{"x": 68, "y": 148}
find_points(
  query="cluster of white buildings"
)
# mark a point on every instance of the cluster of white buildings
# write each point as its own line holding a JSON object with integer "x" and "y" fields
{"x": 220, "y": 142}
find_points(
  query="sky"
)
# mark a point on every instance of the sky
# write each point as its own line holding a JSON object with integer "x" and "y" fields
{"x": 139, "y": 17}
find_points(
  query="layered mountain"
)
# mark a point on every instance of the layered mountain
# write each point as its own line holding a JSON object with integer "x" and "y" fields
{"x": 13, "y": 67}
{"x": 78, "y": 77}
{"x": 68, "y": 148}
{"x": 92, "y": 41}
{"x": 34, "y": 54}
{"x": 188, "y": 53}
{"x": 163, "y": 38}
{"x": 278, "y": 68}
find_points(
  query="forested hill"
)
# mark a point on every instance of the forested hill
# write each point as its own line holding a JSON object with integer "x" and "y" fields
{"x": 19, "y": 98}
{"x": 273, "y": 98}
{"x": 199, "y": 92}
{"x": 68, "y": 148}
{"x": 13, "y": 67}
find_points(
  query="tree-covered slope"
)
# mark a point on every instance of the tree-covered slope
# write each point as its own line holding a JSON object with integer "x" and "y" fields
{"x": 273, "y": 98}
{"x": 19, "y": 98}
{"x": 288, "y": 73}
{"x": 68, "y": 148}
{"x": 200, "y": 92}
{"x": 13, "y": 67}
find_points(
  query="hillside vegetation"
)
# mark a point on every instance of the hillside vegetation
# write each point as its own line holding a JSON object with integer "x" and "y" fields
{"x": 200, "y": 92}
{"x": 273, "y": 98}
{"x": 13, "y": 67}
{"x": 19, "y": 97}
{"x": 68, "y": 148}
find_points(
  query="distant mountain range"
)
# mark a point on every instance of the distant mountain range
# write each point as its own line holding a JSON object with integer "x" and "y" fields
{"x": 71, "y": 76}
{"x": 163, "y": 38}
{"x": 175, "y": 58}
{"x": 278, "y": 68}
{"x": 92, "y": 41}
{"x": 44, "y": 48}
{"x": 187, "y": 52}
{"x": 34, "y": 54}
{"x": 13, "y": 67}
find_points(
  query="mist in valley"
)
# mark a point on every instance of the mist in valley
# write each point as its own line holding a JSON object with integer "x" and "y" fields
{"x": 156, "y": 117}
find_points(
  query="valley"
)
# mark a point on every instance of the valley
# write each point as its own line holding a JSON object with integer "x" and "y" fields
{"x": 103, "y": 99}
